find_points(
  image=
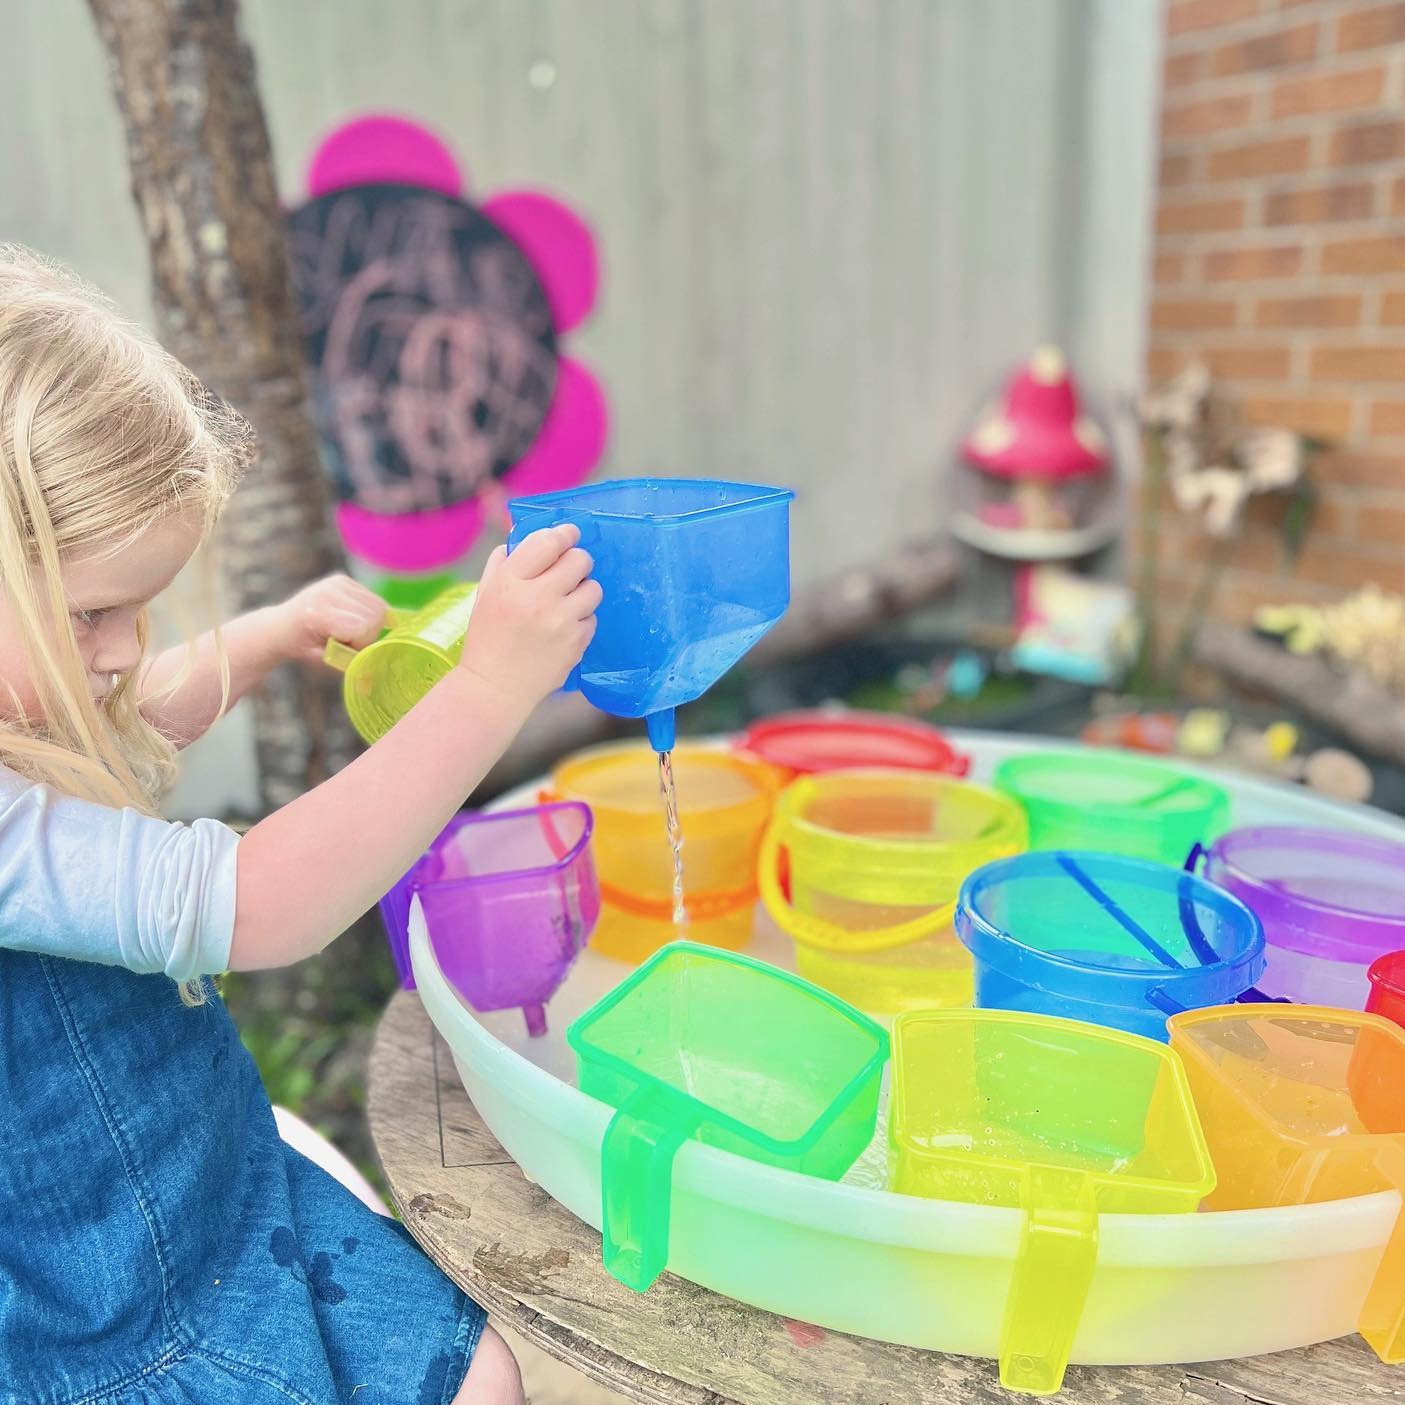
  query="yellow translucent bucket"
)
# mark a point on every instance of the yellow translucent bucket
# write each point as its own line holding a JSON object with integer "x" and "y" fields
{"x": 1065, "y": 1120}
{"x": 724, "y": 802}
{"x": 386, "y": 679}
{"x": 875, "y": 861}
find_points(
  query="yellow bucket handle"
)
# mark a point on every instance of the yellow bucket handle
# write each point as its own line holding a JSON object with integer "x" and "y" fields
{"x": 815, "y": 931}
{"x": 339, "y": 656}
{"x": 1053, "y": 1275}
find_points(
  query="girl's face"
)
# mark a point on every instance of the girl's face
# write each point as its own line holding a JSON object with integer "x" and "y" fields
{"x": 106, "y": 597}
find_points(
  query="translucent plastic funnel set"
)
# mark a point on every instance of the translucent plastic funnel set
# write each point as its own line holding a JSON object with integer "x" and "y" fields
{"x": 1302, "y": 1103}
{"x": 1105, "y": 1067}
{"x": 510, "y": 900}
{"x": 693, "y": 572}
{"x": 703, "y": 1043}
{"x": 1062, "y": 1120}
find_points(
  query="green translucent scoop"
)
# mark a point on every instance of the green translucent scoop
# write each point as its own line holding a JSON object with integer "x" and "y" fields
{"x": 707, "y": 1044}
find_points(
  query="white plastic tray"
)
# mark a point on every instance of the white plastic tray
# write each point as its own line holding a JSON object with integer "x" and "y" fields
{"x": 857, "y": 1258}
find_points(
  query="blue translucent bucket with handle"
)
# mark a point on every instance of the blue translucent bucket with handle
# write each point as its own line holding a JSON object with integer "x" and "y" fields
{"x": 1105, "y": 938}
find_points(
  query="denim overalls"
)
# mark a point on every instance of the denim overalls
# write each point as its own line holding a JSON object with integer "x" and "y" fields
{"x": 159, "y": 1245}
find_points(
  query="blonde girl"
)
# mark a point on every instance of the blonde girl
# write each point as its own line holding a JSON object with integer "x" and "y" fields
{"x": 159, "y": 1245}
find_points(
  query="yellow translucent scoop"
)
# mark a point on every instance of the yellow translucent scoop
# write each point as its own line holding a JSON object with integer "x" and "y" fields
{"x": 1062, "y": 1119}
{"x": 1303, "y": 1103}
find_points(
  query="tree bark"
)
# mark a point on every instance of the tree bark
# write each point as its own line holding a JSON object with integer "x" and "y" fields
{"x": 202, "y": 177}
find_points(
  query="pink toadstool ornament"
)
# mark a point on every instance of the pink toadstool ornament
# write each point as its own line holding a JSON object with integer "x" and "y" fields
{"x": 1037, "y": 440}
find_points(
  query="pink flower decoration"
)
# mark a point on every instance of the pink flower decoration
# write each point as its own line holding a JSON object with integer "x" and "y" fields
{"x": 383, "y": 150}
{"x": 561, "y": 251}
{"x": 572, "y": 435}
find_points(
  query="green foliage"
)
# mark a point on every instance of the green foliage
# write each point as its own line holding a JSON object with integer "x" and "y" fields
{"x": 1297, "y": 520}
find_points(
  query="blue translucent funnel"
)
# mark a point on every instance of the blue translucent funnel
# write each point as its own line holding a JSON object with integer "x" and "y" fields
{"x": 694, "y": 572}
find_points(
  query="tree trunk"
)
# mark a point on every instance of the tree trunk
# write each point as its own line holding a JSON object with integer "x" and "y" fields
{"x": 202, "y": 176}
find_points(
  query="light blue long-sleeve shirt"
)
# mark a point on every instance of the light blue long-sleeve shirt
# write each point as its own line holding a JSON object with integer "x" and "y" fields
{"x": 113, "y": 886}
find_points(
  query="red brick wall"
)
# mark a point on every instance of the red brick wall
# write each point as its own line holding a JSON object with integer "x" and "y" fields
{"x": 1280, "y": 260}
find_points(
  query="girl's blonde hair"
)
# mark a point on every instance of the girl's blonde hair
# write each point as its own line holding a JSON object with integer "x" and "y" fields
{"x": 103, "y": 435}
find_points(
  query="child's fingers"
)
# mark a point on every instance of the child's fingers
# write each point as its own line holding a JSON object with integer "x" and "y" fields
{"x": 354, "y": 600}
{"x": 361, "y": 596}
{"x": 541, "y": 551}
{"x": 573, "y": 567}
{"x": 585, "y": 599}
{"x": 353, "y": 627}
{"x": 366, "y": 606}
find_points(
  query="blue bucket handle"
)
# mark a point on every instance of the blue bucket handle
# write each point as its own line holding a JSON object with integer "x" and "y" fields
{"x": 1158, "y": 997}
{"x": 1194, "y": 861}
{"x": 1114, "y": 910}
{"x": 1254, "y": 996}
{"x": 1169, "y": 1005}
{"x": 1205, "y": 953}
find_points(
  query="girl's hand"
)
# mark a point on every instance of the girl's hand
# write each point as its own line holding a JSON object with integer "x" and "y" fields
{"x": 533, "y": 617}
{"x": 336, "y": 607}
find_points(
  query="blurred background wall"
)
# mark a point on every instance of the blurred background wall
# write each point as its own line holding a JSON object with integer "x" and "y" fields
{"x": 828, "y": 227}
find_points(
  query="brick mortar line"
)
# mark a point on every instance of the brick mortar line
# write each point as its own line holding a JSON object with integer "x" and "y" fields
{"x": 1277, "y": 129}
{"x": 1275, "y": 284}
{"x": 1336, "y": 231}
{"x": 1269, "y": 127}
{"x": 1356, "y": 336}
{"x": 1215, "y": 36}
{"x": 1284, "y": 290}
{"x": 1207, "y": 87}
{"x": 1203, "y": 90}
{"x": 1382, "y": 173}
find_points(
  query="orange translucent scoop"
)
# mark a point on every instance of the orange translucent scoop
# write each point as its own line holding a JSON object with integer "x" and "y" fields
{"x": 1301, "y": 1104}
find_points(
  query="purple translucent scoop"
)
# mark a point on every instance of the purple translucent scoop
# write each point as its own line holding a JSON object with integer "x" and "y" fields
{"x": 1330, "y": 902}
{"x": 510, "y": 900}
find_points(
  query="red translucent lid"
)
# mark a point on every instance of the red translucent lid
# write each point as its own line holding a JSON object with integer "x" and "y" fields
{"x": 809, "y": 742}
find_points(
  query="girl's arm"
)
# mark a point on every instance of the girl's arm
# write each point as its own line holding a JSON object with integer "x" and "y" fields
{"x": 310, "y": 869}
{"x": 254, "y": 645}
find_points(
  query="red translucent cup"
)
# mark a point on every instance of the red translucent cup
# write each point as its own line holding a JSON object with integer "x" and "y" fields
{"x": 1387, "y": 978}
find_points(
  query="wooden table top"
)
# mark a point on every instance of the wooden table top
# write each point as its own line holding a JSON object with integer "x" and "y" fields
{"x": 537, "y": 1268}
